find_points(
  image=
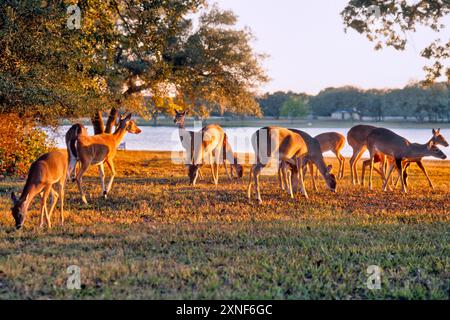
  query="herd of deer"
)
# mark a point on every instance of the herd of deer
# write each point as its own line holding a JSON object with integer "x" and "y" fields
{"x": 295, "y": 151}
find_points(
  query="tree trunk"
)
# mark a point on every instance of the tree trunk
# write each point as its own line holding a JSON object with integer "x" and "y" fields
{"x": 97, "y": 123}
{"x": 111, "y": 120}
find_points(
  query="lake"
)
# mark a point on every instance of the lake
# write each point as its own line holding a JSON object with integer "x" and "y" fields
{"x": 167, "y": 139}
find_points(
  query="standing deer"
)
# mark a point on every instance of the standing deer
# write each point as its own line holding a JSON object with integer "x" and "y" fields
{"x": 290, "y": 146}
{"x": 71, "y": 142}
{"x": 212, "y": 143}
{"x": 357, "y": 139}
{"x": 47, "y": 171}
{"x": 400, "y": 149}
{"x": 101, "y": 149}
{"x": 436, "y": 139}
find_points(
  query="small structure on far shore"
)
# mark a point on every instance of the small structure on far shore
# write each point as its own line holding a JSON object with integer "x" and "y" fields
{"x": 345, "y": 114}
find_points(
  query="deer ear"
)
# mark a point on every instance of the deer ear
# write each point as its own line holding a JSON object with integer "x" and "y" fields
{"x": 13, "y": 197}
{"x": 128, "y": 117}
{"x": 434, "y": 132}
{"x": 329, "y": 168}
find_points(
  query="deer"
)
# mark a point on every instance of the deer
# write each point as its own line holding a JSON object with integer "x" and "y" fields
{"x": 71, "y": 140}
{"x": 186, "y": 137}
{"x": 100, "y": 149}
{"x": 436, "y": 139}
{"x": 329, "y": 141}
{"x": 196, "y": 143}
{"x": 392, "y": 145}
{"x": 212, "y": 142}
{"x": 290, "y": 146}
{"x": 357, "y": 139}
{"x": 47, "y": 172}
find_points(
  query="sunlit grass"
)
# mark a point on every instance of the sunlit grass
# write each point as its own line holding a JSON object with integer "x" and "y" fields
{"x": 156, "y": 237}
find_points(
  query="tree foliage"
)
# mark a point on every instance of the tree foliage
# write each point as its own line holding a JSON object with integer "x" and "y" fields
{"x": 295, "y": 107}
{"x": 387, "y": 23}
{"x": 125, "y": 49}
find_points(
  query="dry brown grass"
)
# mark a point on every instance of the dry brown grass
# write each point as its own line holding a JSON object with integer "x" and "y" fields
{"x": 156, "y": 237}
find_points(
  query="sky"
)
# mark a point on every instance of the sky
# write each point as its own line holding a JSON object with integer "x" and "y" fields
{"x": 309, "y": 50}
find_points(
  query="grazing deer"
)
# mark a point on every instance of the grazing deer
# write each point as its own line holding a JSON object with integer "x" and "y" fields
{"x": 71, "y": 142}
{"x": 101, "y": 149}
{"x": 197, "y": 143}
{"x": 186, "y": 138}
{"x": 329, "y": 141}
{"x": 212, "y": 143}
{"x": 290, "y": 146}
{"x": 357, "y": 139}
{"x": 334, "y": 142}
{"x": 436, "y": 139}
{"x": 400, "y": 149}
{"x": 47, "y": 171}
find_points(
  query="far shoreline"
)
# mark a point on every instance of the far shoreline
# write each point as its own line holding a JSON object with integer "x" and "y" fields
{"x": 301, "y": 123}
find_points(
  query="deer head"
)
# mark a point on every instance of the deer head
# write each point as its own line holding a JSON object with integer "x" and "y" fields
{"x": 438, "y": 138}
{"x": 330, "y": 179}
{"x": 193, "y": 174}
{"x": 239, "y": 170}
{"x": 179, "y": 117}
{"x": 18, "y": 210}
{"x": 125, "y": 123}
{"x": 435, "y": 152}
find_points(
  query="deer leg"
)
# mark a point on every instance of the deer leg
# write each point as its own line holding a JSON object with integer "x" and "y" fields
{"x": 372, "y": 159}
{"x": 101, "y": 173}
{"x": 45, "y": 195}
{"x": 421, "y": 166}
{"x": 54, "y": 201}
{"x": 61, "y": 199}
{"x": 289, "y": 183}
{"x": 249, "y": 188}
{"x": 311, "y": 170}
{"x": 79, "y": 179}
{"x": 110, "y": 164}
{"x": 389, "y": 174}
{"x": 301, "y": 180}
{"x": 281, "y": 178}
{"x": 256, "y": 173}
{"x": 353, "y": 164}
{"x": 218, "y": 153}
{"x": 398, "y": 163}
{"x": 41, "y": 221}
{"x": 343, "y": 166}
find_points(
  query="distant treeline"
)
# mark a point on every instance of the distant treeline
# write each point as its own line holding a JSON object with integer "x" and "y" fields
{"x": 424, "y": 104}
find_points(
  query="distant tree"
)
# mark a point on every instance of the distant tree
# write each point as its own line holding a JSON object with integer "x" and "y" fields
{"x": 295, "y": 107}
{"x": 388, "y": 22}
{"x": 272, "y": 103}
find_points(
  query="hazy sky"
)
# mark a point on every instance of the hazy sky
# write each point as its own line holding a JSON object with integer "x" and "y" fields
{"x": 309, "y": 50}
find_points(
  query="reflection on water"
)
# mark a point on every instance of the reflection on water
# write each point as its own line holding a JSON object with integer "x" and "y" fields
{"x": 167, "y": 139}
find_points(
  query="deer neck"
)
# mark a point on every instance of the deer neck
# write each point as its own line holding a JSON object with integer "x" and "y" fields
{"x": 321, "y": 166}
{"x": 182, "y": 132}
{"x": 118, "y": 135}
{"x": 417, "y": 150}
{"x": 29, "y": 192}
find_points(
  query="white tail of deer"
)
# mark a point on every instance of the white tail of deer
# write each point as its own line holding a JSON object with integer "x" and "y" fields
{"x": 71, "y": 143}
{"x": 46, "y": 172}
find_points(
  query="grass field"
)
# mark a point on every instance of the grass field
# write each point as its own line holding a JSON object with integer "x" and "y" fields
{"x": 156, "y": 237}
